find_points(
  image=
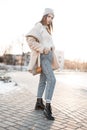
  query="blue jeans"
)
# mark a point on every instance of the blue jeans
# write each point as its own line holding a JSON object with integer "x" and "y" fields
{"x": 47, "y": 78}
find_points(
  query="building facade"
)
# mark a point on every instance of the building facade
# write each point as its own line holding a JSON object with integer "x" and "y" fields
{"x": 60, "y": 58}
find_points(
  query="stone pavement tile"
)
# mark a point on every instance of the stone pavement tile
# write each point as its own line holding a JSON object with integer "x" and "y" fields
{"x": 2, "y": 124}
{"x": 19, "y": 127}
{"x": 83, "y": 128}
{"x": 11, "y": 128}
{"x": 80, "y": 128}
{"x": 2, "y": 128}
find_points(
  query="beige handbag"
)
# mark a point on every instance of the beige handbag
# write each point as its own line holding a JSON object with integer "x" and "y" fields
{"x": 37, "y": 68}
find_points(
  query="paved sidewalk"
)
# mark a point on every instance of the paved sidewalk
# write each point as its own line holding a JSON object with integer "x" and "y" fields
{"x": 17, "y": 107}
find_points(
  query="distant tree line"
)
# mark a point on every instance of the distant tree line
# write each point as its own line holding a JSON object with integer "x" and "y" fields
{"x": 75, "y": 65}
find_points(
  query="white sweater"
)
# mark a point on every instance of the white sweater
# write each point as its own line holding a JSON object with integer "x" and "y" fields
{"x": 45, "y": 39}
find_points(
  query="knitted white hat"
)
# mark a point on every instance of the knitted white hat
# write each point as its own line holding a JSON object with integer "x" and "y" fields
{"x": 48, "y": 11}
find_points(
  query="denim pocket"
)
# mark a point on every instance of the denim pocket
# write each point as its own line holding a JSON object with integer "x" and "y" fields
{"x": 46, "y": 56}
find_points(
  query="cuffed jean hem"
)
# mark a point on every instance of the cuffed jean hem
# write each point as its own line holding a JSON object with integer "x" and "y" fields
{"x": 48, "y": 101}
{"x": 39, "y": 97}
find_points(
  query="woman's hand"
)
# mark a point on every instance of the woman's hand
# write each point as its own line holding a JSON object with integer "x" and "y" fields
{"x": 46, "y": 50}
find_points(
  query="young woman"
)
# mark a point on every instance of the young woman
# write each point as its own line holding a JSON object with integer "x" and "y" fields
{"x": 40, "y": 41}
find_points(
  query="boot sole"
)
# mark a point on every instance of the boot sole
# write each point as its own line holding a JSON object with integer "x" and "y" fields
{"x": 48, "y": 117}
{"x": 39, "y": 108}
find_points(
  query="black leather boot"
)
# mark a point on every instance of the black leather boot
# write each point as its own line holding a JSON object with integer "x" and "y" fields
{"x": 48, "y": 112}
{"x": 39, "y": 104}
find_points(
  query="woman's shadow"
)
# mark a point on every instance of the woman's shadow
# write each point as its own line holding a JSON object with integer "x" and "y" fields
{"x": 35, "y": 120}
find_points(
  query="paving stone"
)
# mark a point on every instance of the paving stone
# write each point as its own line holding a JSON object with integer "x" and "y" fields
{"x": 11, "y": 128}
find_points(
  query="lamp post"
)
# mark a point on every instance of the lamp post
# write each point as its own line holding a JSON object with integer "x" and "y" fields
{"x": 22, "y": 56}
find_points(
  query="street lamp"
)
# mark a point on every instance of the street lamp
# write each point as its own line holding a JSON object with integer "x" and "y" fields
{"x": 22, "y": 56}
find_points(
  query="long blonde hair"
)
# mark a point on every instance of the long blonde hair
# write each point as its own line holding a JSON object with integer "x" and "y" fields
{"x": 44, "y": 22}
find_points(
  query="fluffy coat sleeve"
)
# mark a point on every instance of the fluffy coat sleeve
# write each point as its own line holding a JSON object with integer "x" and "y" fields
{"x": 34, "y": 45}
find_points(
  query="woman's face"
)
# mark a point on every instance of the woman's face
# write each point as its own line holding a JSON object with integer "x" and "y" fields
{"x": 49, "y": 19}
